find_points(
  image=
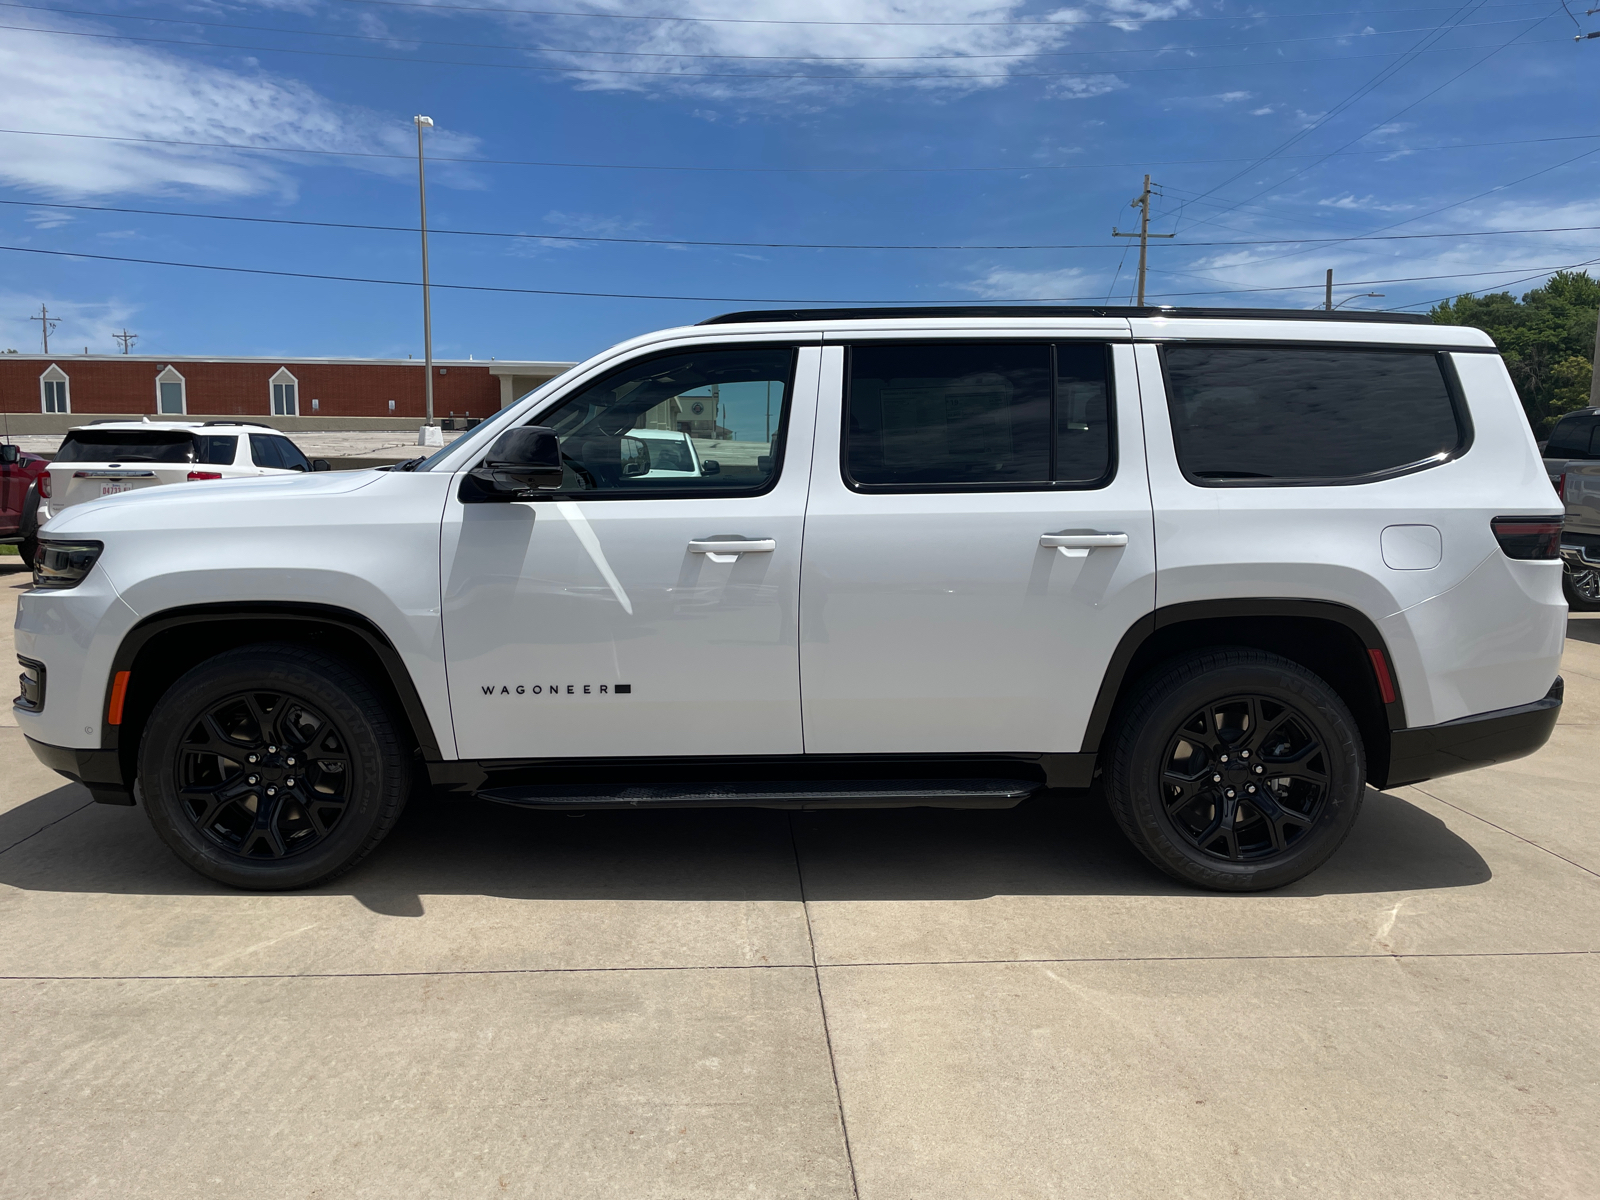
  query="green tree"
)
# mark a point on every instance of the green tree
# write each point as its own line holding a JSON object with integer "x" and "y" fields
{"x": 1547, "y": 338}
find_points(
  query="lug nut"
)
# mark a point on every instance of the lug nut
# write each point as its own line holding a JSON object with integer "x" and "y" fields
{"x": 289, "y": 761}
{"x": 290, "y": 783}
{"x": 1216, "y": 779}
{"x": 1223, "y": 758}
{"x": 253, "y": 758}
{"x": 1229, "y": 793}
{"x": 1259, "y": 769}
{"x": 272, "y": 749}
{"x": 1251, "y": 789}
{"x": 1244, "y": 754}
{"x": 254, "y": 779}
{"x": 272, "y": 791}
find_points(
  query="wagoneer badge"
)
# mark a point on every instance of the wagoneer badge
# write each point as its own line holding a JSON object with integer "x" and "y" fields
{"x": 557, "y": 689}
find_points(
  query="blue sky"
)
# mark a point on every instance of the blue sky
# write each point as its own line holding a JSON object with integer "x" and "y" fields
{"x": 957, "y": 123}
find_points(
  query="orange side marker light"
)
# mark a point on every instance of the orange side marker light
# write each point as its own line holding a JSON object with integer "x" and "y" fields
{"x": 119, "y": 693}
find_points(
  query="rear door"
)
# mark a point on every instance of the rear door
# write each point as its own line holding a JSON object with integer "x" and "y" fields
{"x": 978, "y": 540}
{"x": 628, "y": 614}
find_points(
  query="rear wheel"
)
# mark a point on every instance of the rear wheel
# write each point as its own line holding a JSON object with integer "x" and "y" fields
{"x": 272, "y": 767}
{"x": 1582, "y": 587}
{"x": 1236, "y": 770}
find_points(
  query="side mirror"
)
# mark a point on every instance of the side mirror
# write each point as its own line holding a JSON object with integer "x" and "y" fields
{"x": 321, "y": 464}
{"x": 521, "y": 460}
{"x": 9, "y": 454}
{"x": 634, "y": 454}
{"x": 710, "y": 466}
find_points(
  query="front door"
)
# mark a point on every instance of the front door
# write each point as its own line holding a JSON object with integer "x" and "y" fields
{"x": 648, "y": 607}
{"x": 977, "y": 546}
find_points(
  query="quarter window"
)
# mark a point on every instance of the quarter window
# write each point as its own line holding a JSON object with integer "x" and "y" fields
{"x": 702, "y": 421}
{"x": 1252, "y": 415}
{"x": 264, "y": 451}
{"x": 215, "y": 449}
{"x": 989, "y": 415}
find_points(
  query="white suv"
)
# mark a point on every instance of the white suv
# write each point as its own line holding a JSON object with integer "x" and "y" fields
{"x": 112, "y": 457}
{"x": 1228, "y": 568}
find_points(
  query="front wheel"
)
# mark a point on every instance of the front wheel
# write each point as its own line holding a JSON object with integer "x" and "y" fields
{"x": 272, "y": 767}
{"x": 1236, "y": 770}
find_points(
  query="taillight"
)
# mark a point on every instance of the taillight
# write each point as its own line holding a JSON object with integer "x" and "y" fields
{"x": 1528, "y": 537}
{"x": 193, "y": 475}
{"x": 1561, "y": 485}
{"x": 44, "y": 484}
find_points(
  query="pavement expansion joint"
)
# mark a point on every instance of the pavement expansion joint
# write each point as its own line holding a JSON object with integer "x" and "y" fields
{"x": 1509, "y": 833}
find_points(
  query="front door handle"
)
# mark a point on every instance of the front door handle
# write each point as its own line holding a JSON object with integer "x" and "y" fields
{"x": 1078, "y": 543}
{"x": 727, "y": 550}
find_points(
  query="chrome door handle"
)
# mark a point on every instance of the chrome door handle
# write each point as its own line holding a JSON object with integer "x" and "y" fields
{"x": 727, "y": 550}
{"x": 1078, "y": 545}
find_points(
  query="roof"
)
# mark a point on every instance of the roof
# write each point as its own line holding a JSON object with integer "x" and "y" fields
{"x": 752, "y": 316}
{"x": 220, "y": 426}
{"x": 495, "y": 366}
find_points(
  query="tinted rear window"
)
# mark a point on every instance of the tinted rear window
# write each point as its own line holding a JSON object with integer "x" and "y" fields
{"x": 977, "y": 415}
{"x": 1571, "y": 438}
{"x": 1290, "y": 414}
{"x": 126, "y": 445}
{"x": 214, "y": 449}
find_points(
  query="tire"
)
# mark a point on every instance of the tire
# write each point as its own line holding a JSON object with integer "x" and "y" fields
{"x": 278, "y": 717}
{"x": 1281, "y": 730}
{"x": 1582, "y": 588}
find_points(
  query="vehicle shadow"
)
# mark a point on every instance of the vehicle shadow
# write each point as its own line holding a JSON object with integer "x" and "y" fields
{"x": 1061, "y": 844}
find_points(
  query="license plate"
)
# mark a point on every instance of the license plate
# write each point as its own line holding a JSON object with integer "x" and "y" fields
{"x": 111, "y": 489}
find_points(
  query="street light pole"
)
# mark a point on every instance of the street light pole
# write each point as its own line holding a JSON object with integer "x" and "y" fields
{"x": 427, "y": 314}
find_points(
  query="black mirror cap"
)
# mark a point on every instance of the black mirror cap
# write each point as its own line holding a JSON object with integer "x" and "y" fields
{"x": 10, "y": 453}
{"x": 710, "y": 466}
{"x": 321, "y": 464}
{"x": 523, "y": 460}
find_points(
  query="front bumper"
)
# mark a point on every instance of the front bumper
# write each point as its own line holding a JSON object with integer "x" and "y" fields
{"x": 98, "y": 770}
{"x": 1470, "y": 742}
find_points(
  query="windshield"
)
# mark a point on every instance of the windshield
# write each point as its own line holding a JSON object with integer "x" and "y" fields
{"x": 127, "y": 445}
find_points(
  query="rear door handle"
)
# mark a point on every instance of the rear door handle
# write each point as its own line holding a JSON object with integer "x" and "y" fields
{"x": 727, "y": 550}
{"x": 1078, "y": 544}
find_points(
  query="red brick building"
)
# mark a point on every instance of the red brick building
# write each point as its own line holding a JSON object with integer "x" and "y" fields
{"x": 93, "y": 384}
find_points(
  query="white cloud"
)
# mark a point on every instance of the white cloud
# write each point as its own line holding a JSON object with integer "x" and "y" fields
{"x": 972, "y": 50}
{"x": 1352, "y": 203}
{"x": 1008, "y": 283}
{"x": 1261, "y": 112}
{"x": 1230, "y": 97}
{"x": 85, "y": 86}
{"x": 46, "y": 218}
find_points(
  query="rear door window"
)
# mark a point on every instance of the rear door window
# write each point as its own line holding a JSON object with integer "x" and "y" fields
{"x": 1573, "y": 437}
{"x": 1253, "y": 415}
{"x": 981, "y": 415}
{"x": 264, "y": 450}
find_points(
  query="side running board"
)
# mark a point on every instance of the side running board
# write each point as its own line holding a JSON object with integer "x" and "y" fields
{"x": 810, "y": 794}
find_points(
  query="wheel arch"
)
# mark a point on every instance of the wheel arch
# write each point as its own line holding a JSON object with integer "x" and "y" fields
{"x": 160, "y": 648}
{"x": 1329, "y": 638}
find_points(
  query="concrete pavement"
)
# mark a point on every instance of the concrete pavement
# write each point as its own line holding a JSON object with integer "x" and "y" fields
{"x": 890, "y": 1005}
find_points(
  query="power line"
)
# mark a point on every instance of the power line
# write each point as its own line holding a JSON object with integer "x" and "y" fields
{"x": 749, "y": 75}
{"x": 471, "y": 287}
{"x": 641, "y": 241}
{"x": 582, "y": 166}
{"x": 1117, "y": 21}
{"x": 870, "y": 58}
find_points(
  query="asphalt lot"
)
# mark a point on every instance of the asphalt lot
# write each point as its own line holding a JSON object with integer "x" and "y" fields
{"x": 893, "y": 1005}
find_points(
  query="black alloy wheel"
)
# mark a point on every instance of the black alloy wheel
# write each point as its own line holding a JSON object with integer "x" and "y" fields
{"x": 273, "y": 766}
{"x": 265, "y": 775}
{"x": 1236, "y": 769}
{"x": 1582, "y": 586}
{"x": 1244, "y": 778}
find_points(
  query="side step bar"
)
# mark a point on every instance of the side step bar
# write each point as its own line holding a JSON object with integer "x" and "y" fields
{"x": 803, "y": 795}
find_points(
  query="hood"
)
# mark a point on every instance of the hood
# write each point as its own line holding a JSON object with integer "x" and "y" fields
{"x": 176, "y": 504}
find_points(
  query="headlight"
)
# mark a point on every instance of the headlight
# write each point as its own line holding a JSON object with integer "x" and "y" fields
{"x": 63, "y": 564}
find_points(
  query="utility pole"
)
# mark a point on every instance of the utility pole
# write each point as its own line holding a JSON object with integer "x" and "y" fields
{"x": 1327, "y": 301}
{"x": 1594, "y": 378}
{"x": 427, "y": 315}
{"x": 46, "y": 326}
{"x": 1142, "y": 202}
{"x": 127, "y": 339}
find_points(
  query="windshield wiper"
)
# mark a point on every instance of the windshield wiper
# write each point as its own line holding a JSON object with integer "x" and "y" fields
{"x": 410, "y": 464}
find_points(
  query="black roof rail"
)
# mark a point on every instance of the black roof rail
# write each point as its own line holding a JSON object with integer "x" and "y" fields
{"x": 207, "y": 424}
{"x": 1102, "y": 310}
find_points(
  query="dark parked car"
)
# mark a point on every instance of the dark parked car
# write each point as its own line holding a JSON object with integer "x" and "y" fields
{"x": 1572, "y": 460}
